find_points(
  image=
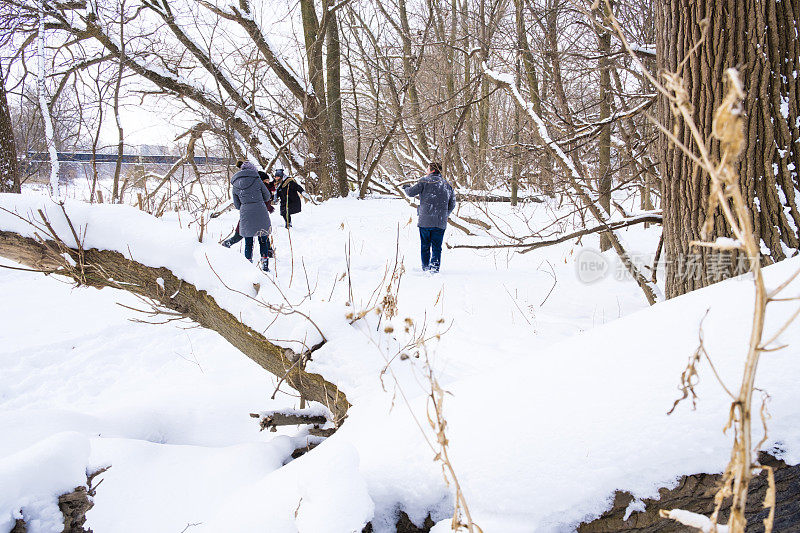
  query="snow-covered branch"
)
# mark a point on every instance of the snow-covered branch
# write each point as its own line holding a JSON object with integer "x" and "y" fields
{"x": 575, "y": 178}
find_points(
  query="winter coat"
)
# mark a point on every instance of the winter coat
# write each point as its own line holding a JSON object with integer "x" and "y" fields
{"x": 436, "y": 200}
{"x": 270, "y": 187}
{"x": 249, "y": 197}
{"x": 289, "y": 194}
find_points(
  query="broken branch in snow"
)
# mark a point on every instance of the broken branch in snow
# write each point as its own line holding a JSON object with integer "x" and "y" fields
{"x": 272, "y": 419}
{"x": 73, "y": 506}
{"x": 529, "y": 246}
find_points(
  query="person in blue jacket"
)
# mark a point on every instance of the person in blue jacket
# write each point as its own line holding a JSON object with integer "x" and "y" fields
{"x": 250, "y": 197}
{"x": 436, "y": 201}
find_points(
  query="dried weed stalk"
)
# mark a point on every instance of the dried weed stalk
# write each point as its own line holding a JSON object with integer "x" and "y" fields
{"x": 462, "y": 519}
{"x": 725, "y": 195}
{"x": 413, "y": 347}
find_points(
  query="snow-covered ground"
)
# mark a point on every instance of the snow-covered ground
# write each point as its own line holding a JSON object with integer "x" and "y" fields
{"x": 559, "y": 388}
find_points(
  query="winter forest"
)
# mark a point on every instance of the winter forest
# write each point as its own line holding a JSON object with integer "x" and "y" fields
{"x": 370, "y": 266}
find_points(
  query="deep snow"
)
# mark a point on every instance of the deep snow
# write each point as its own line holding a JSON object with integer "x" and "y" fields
{"x": 551, "y": 410}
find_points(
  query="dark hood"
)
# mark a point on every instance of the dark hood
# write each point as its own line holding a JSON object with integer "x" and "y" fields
{"x": 244, "y": 178}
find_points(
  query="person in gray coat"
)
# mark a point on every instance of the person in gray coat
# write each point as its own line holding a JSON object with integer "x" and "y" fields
{"x": 436, "y": 201}
{"x": 250, "y": 196}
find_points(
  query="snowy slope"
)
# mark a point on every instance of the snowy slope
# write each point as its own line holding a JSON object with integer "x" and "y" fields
{"x": 589, "y": 413}
{"x": 551, "y": 410}
{"x": 166, "y": 406}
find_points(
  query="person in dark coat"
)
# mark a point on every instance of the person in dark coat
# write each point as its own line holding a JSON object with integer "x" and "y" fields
{"x": 250, "y": 197}
{"x": 436, "y": 201}
{"x": 288, "y": 192}
{"x": 236, "y": 237}
{"x": 270, "y": 183}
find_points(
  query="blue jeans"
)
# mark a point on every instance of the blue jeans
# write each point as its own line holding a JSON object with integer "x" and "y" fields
{"x": 263, "y": 244}
{"x": 431, "y": 241}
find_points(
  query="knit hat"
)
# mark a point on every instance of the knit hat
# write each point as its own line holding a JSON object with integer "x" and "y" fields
{"x": 279, "y": 172}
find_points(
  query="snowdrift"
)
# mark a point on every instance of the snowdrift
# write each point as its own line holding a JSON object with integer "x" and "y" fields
{"x": 540, "y": 439}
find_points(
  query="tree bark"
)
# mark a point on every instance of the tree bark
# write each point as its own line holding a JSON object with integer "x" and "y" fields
{"x": 9, "y": 173}
{"x": 319, "y": 138}
{"x": 333, "y": 68}
{"x": 421, "y": 137}
{"x": 696, "y": 493}
{"x": 604, "y": 139}
{"x": 760, "y": 38}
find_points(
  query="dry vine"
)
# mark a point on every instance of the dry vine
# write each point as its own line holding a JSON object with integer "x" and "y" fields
{"x": 725, "y": 195}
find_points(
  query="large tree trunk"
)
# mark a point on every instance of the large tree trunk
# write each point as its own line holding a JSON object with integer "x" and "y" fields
{"x": 420, "y": 136}
{"x": 761, "y": 39}
{"x": 9, "y": 174}
{"x": 333, "y": 68}
{"x": 604, "y": 140}
{"x": 318, "y": 126}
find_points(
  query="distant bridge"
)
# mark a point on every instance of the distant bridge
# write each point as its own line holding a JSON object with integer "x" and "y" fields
{"x": 127, "y": 159}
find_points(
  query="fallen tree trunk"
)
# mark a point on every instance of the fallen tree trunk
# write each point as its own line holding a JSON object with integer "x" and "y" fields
{"x": 696, "y": 493}
{"x": 106, "y": 268}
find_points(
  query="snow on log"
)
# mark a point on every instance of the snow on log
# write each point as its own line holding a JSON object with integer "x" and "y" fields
{"x": 120, "y": 247}
{"x": 290, "y": 417}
